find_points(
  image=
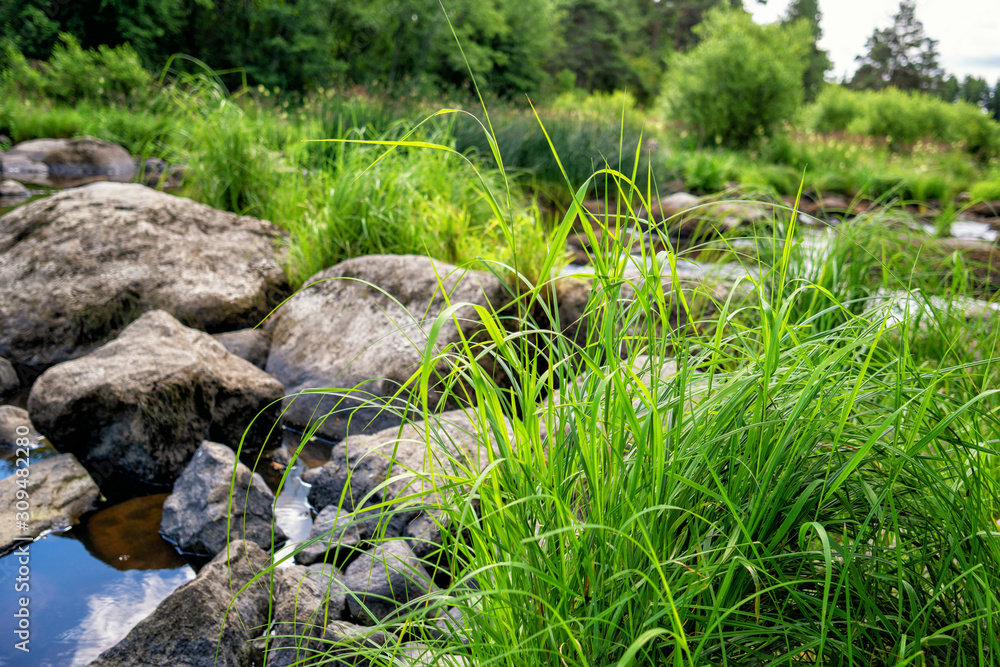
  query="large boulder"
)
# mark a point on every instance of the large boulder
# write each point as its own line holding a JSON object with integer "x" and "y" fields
{"x": 385, "y": 582}
{"x": 144, "y": 402}
{"x": 45, "y": 161}
{"x": 58, "y": 491}
{"x": 199, "y": 624}
{"x": 212, "y": 505}
{"x": 363, "y": 325}
{"x": 78, "y": 266}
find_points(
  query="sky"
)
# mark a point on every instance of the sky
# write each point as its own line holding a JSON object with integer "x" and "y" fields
{"x": 968, "y": 31}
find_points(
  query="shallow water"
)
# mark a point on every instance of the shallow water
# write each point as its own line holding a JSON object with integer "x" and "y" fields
{"x": 91, "y": 584}
{"x": 82, "y": 604}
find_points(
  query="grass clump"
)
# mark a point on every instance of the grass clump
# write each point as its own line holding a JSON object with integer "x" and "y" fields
{"x": 803, "y": 471}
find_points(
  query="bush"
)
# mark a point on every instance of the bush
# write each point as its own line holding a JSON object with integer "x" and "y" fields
{"x": 834, "y": 110}
{"x": 904, "y": 118}
{"x": 73, "y": 74}
{"x": 740, "y": 83}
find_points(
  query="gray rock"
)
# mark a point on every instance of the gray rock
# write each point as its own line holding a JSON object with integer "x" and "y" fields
{"x": 16, "y": 425}
{"x": 185, "y": 629}
{"x": 59, "y": 490}
{"x": 144, "y": 402}
{"x": 362, "y": 463}
{"x": 668, "y": 207}
{"x": 10, "y": 188}
{"x": 342, "y": 644}
{"x": 306, "y": 601}
{"x": 156, "y": 173}
{"x": 68, "y": 158}
{"x": 9, "y": 382}
{"x": 250, "y": 344}
{"x": 386, "y": 581}
{"x": 364, "y": 323}
{"x": 78, "y": 266}
{"x": 424, "y": 534}
{"x": 334, "y": 530}
{"x": 209, "y": 508}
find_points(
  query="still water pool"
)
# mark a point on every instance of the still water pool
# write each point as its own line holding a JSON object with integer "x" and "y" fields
{"x": 91, "y": 584}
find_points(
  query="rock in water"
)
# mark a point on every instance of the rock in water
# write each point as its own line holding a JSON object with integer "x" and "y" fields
{"x": 143, "y": 403}
{"x": 363, "y": 324}
{"x": 196, "y": 516}
{"x": 358, "y": 469}
{"x": 59, "y": 491}
{"x": 78, "y": 266}
{"x": 334, "y": 530}
{"x": 184, "y": 630}
{"x": 80, "y": 157}
{"x": 9, "y": 188}
{"x": 16, "y": 425}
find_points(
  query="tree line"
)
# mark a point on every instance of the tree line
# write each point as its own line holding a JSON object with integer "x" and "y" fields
{"x": 533, "y": 47}
{"x": 528, "y": 46}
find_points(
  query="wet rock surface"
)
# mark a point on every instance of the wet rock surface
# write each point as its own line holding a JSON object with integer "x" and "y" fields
{"x": 196, "y": 626}
{"x": 212, "y": 504}
{"x": 364, "y": 325}
{"x": 78, "y": 266}
{"x": 144, "y": 402}
{"x": 60, "y": 490}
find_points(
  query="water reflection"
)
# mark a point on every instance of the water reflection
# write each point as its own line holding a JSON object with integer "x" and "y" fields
{"x": 114, "y": 612}
{"x": 126, "y": 536}
{"x": 80, "y": 605}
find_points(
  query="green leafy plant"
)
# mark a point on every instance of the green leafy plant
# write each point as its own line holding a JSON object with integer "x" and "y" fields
{"x": 740, "y": 83}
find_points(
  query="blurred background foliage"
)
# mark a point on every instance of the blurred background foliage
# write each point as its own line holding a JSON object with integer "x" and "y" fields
{"x": 686, "y": 93}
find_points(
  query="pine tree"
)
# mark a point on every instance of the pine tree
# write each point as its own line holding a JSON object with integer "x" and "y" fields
{"x": 819, "y": 61}
{"x": 994, "y": 105}
{"x": 902, "y": 56}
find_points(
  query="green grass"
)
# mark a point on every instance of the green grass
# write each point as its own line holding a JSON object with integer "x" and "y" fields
{"x": 815, "y": 482}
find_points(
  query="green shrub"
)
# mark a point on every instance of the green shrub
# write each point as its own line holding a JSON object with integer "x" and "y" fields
{"x": 834, "y": 110}
{"x": 73, "y": 74}
{"x": 904, "y": 119}
{"x": 986, "y": 190}
{"x": 704, "y": 171}
{"x": 740, "y": 83}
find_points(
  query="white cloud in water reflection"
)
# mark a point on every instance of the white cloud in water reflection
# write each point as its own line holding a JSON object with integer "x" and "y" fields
{"x": 115, "y": 611}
